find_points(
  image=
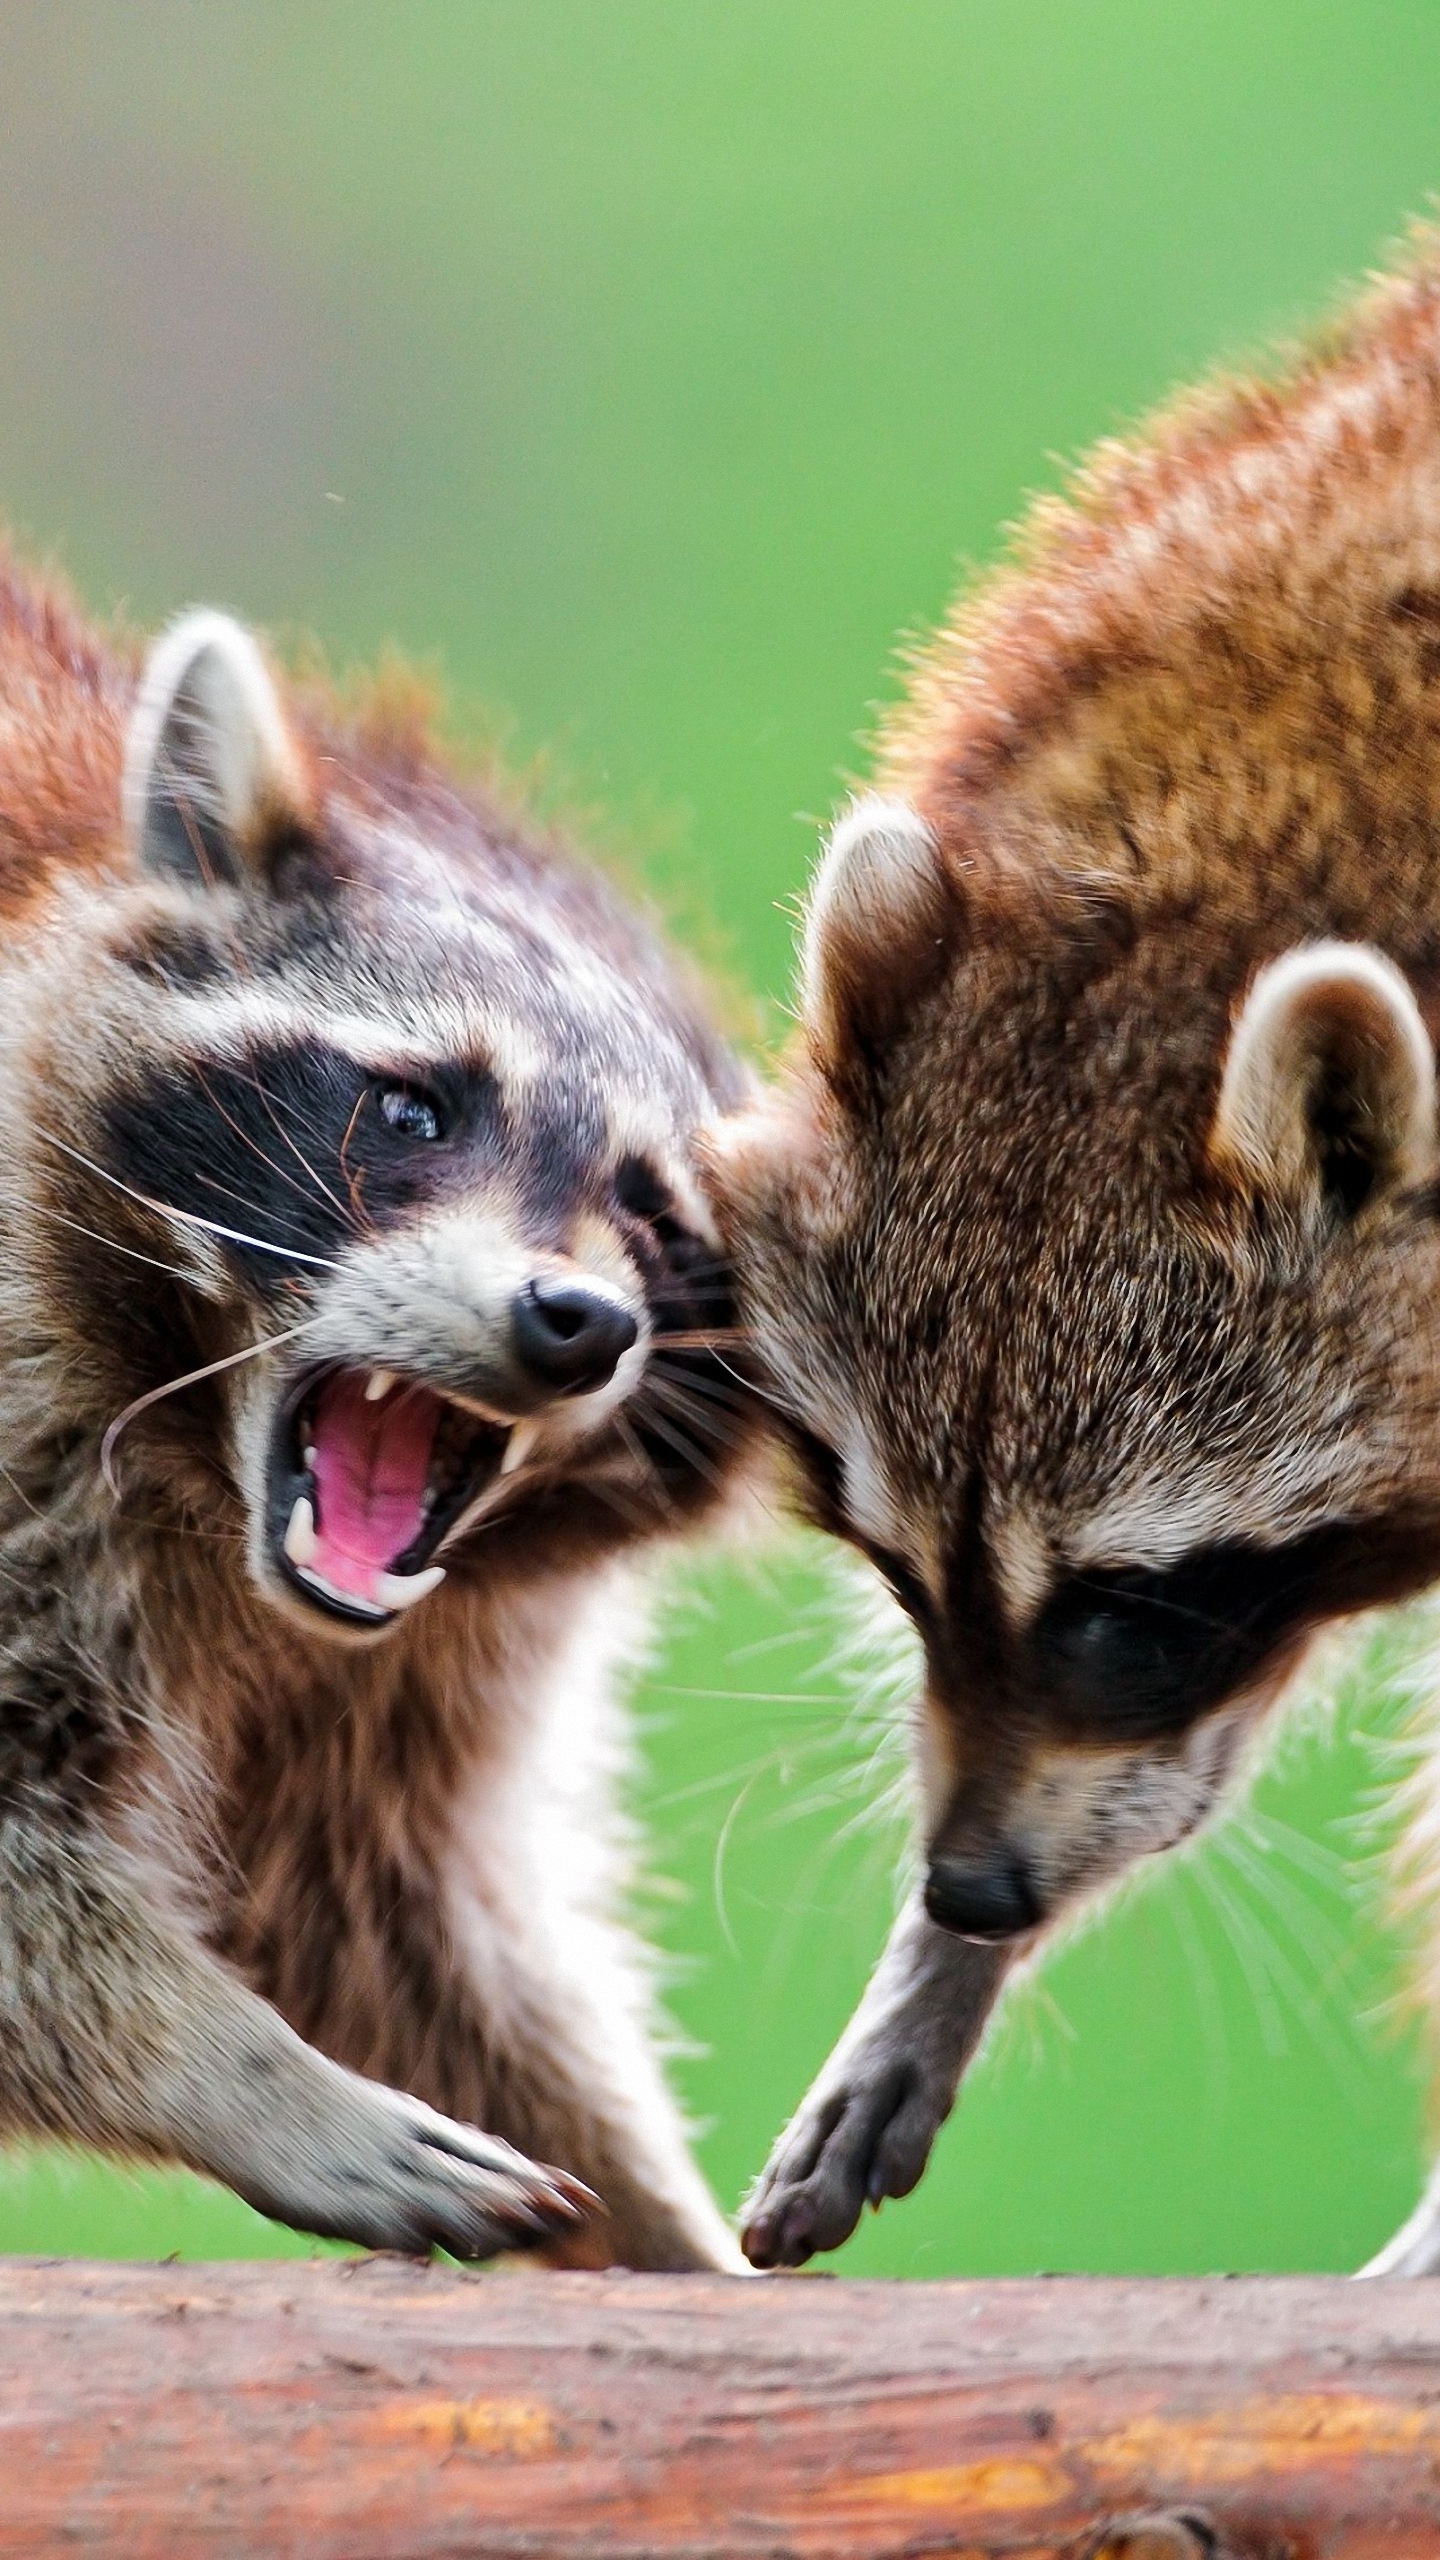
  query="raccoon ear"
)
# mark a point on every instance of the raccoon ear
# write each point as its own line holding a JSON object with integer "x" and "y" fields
{"x": 214, "y": 782}
{"x": 1328, "y": 1094}
{"x": 876, "y": 930}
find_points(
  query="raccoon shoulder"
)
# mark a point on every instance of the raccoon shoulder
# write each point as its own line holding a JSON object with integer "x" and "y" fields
{"x": 1208, "y": 673}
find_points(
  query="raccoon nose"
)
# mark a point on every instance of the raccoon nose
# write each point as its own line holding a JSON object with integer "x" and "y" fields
{"x": 986, "y": 1899}
{"x": 569, "y": 1335}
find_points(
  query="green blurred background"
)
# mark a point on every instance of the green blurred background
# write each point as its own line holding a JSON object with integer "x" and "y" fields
{"x": 651, "y": 366}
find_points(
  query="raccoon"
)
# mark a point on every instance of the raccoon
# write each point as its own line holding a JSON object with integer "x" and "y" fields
{"x": 363, "y": 1338}
{"x": 1092, "y": 1244}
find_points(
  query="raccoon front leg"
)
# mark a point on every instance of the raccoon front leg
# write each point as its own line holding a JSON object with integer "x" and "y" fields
{"x": 115, "y": 2031}
{"x": 866, "y": 2128}
{"x": 542, "y": 2030}
{"x": 463, "y": 1970}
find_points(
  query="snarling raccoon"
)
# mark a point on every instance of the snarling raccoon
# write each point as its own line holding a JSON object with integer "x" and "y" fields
{"x": 361, "y": 1334}
{"x": 1093, "y": 1244}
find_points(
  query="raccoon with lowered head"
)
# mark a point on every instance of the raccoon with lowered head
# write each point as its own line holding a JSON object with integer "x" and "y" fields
{"x": 1093, "y": 1246}
{"x": 356, "y": 1303}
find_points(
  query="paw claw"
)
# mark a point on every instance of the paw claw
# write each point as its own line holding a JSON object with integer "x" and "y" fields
{"x": 573, "y": 2198}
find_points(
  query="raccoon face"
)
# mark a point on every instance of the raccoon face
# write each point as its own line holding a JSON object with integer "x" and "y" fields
{"x": 386, "y": 1122}
{"x": 1098, "y": 1284}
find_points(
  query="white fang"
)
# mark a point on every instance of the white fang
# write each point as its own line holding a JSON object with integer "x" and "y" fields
{"x": 300, "y": 1539}
{"x": 518, "y": 1447}
{"x": 402, "y": 1590}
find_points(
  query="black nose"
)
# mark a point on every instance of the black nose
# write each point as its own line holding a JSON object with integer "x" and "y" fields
{"x": 568, "y": 1336}
{"x": 988, "y": 1899}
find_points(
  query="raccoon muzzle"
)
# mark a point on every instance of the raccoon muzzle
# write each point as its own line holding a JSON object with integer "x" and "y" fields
{"x": 367, "y": 1474}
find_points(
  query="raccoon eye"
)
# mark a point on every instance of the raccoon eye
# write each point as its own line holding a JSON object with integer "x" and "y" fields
{"x": 411, "y": 1112}
{"x": 1137, "y": 1653}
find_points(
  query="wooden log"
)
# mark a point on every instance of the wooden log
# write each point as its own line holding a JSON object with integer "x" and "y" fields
{"x": 378, "y": 2411}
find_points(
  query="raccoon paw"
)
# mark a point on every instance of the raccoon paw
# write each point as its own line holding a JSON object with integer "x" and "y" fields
{"x": 394, "y": 2174}
{"x": 850, "y": 2145}
{"x": 469, "y": 2192}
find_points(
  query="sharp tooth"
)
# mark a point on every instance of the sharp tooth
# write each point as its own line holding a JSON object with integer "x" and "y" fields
{"x": 300, "y": 1539}
{"x": 402, "y": 1590}
{"x": 378, "y": 1384}
{"x": 518, "y": 1447}
{"x": 307, "y": 1456}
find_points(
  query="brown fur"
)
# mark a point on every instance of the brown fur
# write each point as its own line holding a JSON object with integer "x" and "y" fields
{"x": 1075, "y": 1359}
{"x": 61, "y": 736}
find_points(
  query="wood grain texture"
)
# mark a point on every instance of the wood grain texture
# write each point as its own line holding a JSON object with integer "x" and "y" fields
{"x": 378, "y": 2411}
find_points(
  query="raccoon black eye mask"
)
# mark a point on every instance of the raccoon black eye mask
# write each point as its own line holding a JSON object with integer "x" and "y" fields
{"x": 372, "y": 1469}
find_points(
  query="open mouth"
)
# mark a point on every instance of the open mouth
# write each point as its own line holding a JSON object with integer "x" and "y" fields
{"x": 368, "y": 1473}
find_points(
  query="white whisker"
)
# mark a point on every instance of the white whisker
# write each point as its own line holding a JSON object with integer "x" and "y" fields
{"x": 682, "y": 1400}
{"x": 191, "y": 1378}
{"x": 717, "y": 1867}
{"x": 679, "y": 1441}
{"x": 283, "y": 1134}
{"x": 748, "y": 1387}
{"x": 189, "y": 1217}
{"x": 60, "y": 1220}
{"x": 641, "y": 1458}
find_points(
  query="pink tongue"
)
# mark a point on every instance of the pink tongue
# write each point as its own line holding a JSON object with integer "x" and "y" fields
{"x": 370, "y": 1468}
